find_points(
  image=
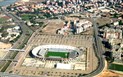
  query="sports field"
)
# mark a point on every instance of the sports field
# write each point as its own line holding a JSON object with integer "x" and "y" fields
{"x": 57, "y": 54}
{"x": 116, "y": 67}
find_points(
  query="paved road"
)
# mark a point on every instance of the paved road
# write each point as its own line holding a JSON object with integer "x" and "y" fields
{"x": 98, "y": 51}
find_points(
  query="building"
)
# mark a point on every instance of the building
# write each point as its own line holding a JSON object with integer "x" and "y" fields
{"x": 56, "y": 52}
{"x": 75, "y": 27}
{"x": 118, "y": 55}
{"x": 112, "y": 33}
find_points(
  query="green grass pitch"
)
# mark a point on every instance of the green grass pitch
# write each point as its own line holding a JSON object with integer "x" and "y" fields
{"x": 57, "y": 54}
{"x": 116, "y": 67}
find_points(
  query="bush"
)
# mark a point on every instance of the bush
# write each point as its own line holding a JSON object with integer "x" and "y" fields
{"x": 120, "y": 22}
{"x": 2, "y": 29}
{"x": 4, "y": 34}
{"x": 109, "y": 56}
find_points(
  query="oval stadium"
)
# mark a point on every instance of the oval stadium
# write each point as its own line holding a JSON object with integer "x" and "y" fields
{"x": 56, "y": 52}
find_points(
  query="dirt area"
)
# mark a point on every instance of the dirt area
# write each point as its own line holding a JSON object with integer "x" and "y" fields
{"x": 70, "y": 18}
{"x": 108, "y": 73}
{"x": 88, "y": 32}
{"x": 2, "y": 53}
{"x": 103, "y": 21}
{"x": 4, "y": 45}
{"x": 52, "y": 26}
{"x": 3, "y": 48}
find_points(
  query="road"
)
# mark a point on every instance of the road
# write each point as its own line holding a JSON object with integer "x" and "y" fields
{"x": 98, "y": 51}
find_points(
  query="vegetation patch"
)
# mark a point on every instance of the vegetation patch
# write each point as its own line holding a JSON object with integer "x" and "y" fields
{"x": 116, "y": 67}
{"x": 27, "y": 16}
{"x": 5, "y": 66}
{"x": 2, "y": 20}
{"x": 57, "y": 54}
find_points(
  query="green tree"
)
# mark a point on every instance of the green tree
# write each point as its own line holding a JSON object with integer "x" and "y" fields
{"x": 13, "y": 35}
{"x": 4, "y": 34}
{"x": 115, "y": 15}
{"x": 120, "y": 22}
{"x": 48, "y": 15}
{"x": 1, "y": 29}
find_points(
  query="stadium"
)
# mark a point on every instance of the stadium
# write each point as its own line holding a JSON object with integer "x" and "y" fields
{"x": 56, "y": 52}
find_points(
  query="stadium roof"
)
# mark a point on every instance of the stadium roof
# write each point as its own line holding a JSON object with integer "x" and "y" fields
{"x": 41, "y": 50}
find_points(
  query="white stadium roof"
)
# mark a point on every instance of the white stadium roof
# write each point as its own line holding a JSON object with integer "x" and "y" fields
{"x": 42, "y": 49}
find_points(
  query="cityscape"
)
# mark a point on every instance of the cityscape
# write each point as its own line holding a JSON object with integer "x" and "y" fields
{"x": 61, "y": 38}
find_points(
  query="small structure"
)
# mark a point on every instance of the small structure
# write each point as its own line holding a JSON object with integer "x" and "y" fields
{"x": 63, "y": 66}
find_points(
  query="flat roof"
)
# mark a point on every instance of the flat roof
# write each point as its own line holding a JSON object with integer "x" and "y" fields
{"x": 63, "y": 66}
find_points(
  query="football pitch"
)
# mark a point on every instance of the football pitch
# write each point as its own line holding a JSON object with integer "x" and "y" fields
{"x": 57, "y": 54}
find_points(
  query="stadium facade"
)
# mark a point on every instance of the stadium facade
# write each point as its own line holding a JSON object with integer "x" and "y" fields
{"x": 56, "y": 52}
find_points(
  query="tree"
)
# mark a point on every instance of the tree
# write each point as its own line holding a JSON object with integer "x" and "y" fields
{"x": 4, "y": 34}
{"x": 115, "y": 15}
{"x": 1, "y": 29}
{"x": 48, "y": 15}
{"x": 36, "y": 11}
{"x": 109, "y": 56}
{"x": 13, "y": 35}
{"x": 108, "y": 25}
{"x": 122, "y": 16}
{"x": 120, "y": 22}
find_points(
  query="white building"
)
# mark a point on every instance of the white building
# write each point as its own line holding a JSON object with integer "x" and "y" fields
{"x": 13, "y": 33}
{"x": 63, "y": 66}
{"x": 83, "y": 25}
{"x": 77, "y": 27}
{"x": 112, "y": 34}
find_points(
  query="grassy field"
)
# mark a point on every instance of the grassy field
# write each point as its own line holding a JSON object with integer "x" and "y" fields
{"x": 116, "y": 67}
{"x": 27, "y": 16}
{"x": 2, "y": 20}
{"x": 57, "y": 54}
